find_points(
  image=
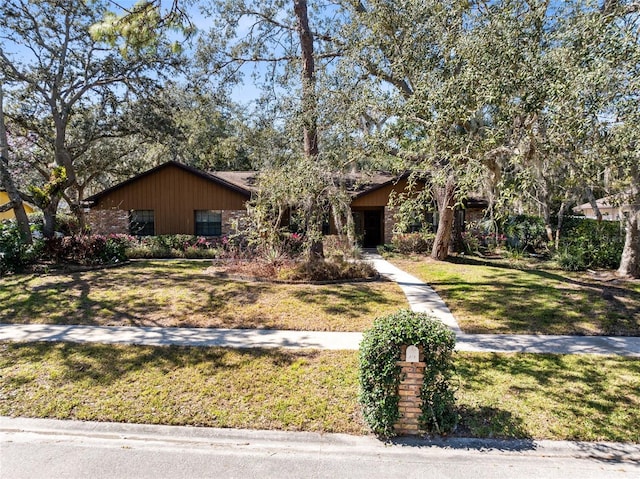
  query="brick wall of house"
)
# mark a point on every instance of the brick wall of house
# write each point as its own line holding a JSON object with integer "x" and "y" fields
{"x": 389, "y": 223}
{"x": 104, "y": 222}
{"x": 231, "y": 218}
{"x": 473, "y": 215}
{"x": 410, "y": 403}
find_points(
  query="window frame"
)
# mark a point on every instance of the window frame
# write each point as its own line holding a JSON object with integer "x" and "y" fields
{"x": 211, "y": 228}
{"x": 142, "y": 228}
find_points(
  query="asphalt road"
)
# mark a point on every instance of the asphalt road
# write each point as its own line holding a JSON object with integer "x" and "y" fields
{"x": 63, "y": 449}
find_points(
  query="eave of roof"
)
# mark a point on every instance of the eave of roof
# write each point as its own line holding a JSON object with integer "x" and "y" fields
{"x": 376, "y": 181}
{"x": 202, "y": 174}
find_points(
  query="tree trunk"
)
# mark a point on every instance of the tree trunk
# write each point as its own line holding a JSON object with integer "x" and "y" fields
{"x": 7, "y": 182}
{"x": 309, "y": 102}
{"x": 563, "y": 208}
{"x": 446, "y": 199}
{"x": 594, "y": 203}
{"x": 49, "y": 218}
{"x": 630, "y": 261}
{"x": 309, "y": 107}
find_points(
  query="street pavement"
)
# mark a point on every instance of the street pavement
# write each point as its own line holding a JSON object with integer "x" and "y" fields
{"x": 37, "y": 448}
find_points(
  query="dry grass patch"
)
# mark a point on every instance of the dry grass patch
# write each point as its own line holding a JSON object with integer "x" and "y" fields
{"x": 160, "y": 293}
{"x": 498, "y": 298}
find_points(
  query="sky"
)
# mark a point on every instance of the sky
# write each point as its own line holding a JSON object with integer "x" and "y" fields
{"x": 244, "y": 93}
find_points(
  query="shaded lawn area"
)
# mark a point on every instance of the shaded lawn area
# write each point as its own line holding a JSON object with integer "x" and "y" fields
{"x": 164, "y": 293}
{"x": 590, "y": 398}
{"x": 495, "y": 298}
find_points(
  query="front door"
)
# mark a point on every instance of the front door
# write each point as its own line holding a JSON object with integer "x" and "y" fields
{"x": 372, "y": 228}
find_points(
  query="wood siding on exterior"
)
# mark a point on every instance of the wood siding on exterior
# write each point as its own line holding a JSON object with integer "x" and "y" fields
{"x": 173, "y": 194}
{"x": 4, "y": 199}
{"x": 378, "y": 197}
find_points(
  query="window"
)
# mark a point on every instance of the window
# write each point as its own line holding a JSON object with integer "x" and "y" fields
{"x": 208, "y": 223}
{"x": 141, "y": 223}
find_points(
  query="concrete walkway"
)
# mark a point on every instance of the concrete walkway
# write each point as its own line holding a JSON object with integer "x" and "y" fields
{"x": 421, "y": 297}
{"x": 156, "y": 336}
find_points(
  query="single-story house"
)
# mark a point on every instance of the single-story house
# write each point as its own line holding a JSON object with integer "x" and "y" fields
{"x": 612, "y": 208}
{"x": 174, "y": 198}
{"x": 7, "y": 215}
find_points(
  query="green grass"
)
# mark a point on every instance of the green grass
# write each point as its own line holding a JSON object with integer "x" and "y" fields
{"x": 570, "y": 397}
{"x": 590, "y": 398}
{"x": 496, "y": 298}
{"x": 182, "y": 294}
{"x": 257, "y": 389}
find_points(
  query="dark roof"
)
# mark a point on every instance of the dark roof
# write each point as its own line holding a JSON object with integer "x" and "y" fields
{"x": 247, "y": 180}
{"x": 360, "y": 184}
{"x": 356, "y": 183}
{"x": 202, "y": 174}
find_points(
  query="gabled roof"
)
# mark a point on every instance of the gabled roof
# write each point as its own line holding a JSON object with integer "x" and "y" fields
{"x": 357, "y": 184}
{"x": 202, "y": 174}
{"x": 246, "y": 180}
{"x": 360, "y": 184}
{"x": 619, "y": 200}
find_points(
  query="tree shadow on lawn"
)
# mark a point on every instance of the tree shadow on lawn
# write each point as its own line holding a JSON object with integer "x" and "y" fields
{"x": 581, "y": 396}
{"x": 556, "y": 305}
{"x": 103, "y": 364}
{"x": 347, "y": 299}
{"x": 137, "y": 298}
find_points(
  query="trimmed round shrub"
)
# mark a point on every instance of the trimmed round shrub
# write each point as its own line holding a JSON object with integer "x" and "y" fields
{"x": 380, "y": 375}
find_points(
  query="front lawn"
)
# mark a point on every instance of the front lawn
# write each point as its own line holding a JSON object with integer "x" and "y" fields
{"x": 527, "y": 396}
{"x": 495, "y": 297}
{"x": 161, "y": 293}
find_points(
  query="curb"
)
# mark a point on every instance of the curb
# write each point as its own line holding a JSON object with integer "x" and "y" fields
{"x": 54, "y": 429}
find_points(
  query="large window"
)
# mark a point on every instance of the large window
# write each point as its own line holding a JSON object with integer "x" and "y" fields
{"x": 208, "y": 223}
{"x": 141, "y": 223}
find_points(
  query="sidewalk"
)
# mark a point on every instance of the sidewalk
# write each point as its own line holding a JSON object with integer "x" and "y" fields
{"x": 269, "y": 338}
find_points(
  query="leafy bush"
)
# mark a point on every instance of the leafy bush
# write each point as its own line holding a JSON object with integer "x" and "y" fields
{"x": 86, "y": 249}
{"x": 176, "y": 246}
{"x": 525, "y": 233}
{"x": 587, "y": 243}
{"x": 324, "y": 270}
{"x": 482, "y": 235}
{"x": 15, "y": 254}
{"x": 380, "y": 375}
{"x": 572, "y": 260}
{"x": 336, "y": 246}
{"x": 407, "y": 243}
{"x": 65, "y": 224}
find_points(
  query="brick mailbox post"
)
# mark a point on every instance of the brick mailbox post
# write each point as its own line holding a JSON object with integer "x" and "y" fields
{"x": 412, "y": 377}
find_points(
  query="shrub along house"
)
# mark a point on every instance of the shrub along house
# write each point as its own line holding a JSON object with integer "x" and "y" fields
{"x": 177, "y": 199}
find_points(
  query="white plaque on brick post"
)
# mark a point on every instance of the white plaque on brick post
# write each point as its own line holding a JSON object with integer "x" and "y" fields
{"x": 413, "y": 354}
